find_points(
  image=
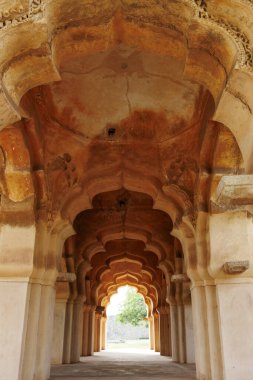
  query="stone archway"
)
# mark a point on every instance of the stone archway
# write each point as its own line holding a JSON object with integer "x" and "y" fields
{"x": 120, "y": 160}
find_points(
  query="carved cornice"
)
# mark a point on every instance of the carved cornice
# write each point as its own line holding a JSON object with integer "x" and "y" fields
{"x": 17, "y": 14}
{"x": 249, "y": 3}
{"x": 243, "y": 43}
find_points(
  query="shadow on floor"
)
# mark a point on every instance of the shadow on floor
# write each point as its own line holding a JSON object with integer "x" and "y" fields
{"x": 124, "y": 363}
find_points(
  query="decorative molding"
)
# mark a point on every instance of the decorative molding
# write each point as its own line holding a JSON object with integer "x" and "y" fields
{"x": 65, "y": 165}
{"x": 181, "y": 277}
{"x": 183, "y": 172}
{"x": 10, "y": 13}
{"x": 236, "y": 267}
{"x": 239, "y": 96}
{"x": 17, "y": 14}
{"x": 66, "y": 277}
{"x": 242, "y": 41}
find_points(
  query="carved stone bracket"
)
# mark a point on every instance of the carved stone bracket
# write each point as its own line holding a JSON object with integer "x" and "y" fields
{"x": 236, "y": 267}
{"x": 66, "y": 277}
{"x": 182, "y": 277}
{"x": 234, "y": 191}
{"x": 100, "y": 310}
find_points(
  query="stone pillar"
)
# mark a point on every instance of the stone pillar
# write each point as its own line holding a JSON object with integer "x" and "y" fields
{"x": 189, "y": 333}
{"x": 165, "y": 334}
{"x": 58, "y": 333}
{"x": 176, "y": 300}
{"x": 68, "y": 331}
{"x": 98, "y": 334}
{"x": 235, "y": 307}
{"x": 36, "y": 359}
{"x": 29, "y": 253}
{"x": 17, "y": 246}
{"x": 201, "y": 339}
{"x": 47, "y": 304}
{"x": 179, "y": 278}
{"x": 29, "y": 359}
{"x": 156, "y": 331}
{"x": 14, "y": 302}
{"x": 62, "y": 295}
{"x": 91, "y": 330}
{"x": 86, "y": 322}
{"x": 222, "y": 287}
{"x": 230, "y": 299}
{"x": 45, "y": 333}
{"x": 103, "y": 333}
{"x": 151, "y": 333}
{"x": 174, "y": 332}
{"x": 18, "y": 233}
{"x": 77, "y": 330}
{"x": 98, "y": 328}
{"x": 181, "y": 333}
{"x": 95, "y": 339}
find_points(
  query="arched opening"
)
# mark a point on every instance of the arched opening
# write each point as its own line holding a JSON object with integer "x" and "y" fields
{"x": 120, "y": 241}
{"x": 127, "y": 323}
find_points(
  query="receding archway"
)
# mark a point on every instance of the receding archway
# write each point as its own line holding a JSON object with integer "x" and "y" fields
{"x": 127, "y": 323}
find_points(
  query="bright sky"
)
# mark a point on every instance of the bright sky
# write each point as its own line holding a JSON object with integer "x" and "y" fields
{"x": 116, "y": 300}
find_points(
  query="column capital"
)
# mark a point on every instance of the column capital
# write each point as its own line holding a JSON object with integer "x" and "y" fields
{"x": 100, "y": 309}
{"x": 66, "y": 277}
{"x": 163, "y": 309}
{"x": 92, "y": 308}
{"x": 155, "y": 314}
{"x": 180, "y": 277}
{"x": 99, "y": 312}
{"x": 86, "y": 308}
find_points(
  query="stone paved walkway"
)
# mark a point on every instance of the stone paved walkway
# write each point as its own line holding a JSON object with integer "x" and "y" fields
{"x": 120, "y": 364}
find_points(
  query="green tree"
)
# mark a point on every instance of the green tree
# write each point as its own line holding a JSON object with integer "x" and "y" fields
{"x": 133, "y": 310}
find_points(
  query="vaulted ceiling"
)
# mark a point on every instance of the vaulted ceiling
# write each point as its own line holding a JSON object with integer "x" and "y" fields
{"x": 119, "y": 103}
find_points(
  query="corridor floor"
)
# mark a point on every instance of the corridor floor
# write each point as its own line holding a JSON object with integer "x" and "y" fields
{"x": 122, "y": 364}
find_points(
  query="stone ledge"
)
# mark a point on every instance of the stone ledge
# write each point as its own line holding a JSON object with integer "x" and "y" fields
{"x": 236, "y": 267}
{"x": 236, "y": 190}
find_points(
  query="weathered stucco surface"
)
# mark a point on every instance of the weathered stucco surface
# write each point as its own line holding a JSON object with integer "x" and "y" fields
{"x": 126, "y": 158}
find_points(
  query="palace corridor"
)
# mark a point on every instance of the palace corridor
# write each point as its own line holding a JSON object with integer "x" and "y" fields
{"x": 111, "y": 365}
{"x": 126, "y": 158}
